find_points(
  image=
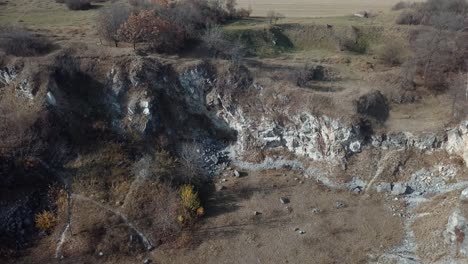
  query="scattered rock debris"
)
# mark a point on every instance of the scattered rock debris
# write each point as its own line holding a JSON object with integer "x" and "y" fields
{"x": 284, "y": 200}
{"x": 340, "y": 204}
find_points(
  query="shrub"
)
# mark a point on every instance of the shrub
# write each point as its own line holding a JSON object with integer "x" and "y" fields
{"x": 437, "y": 55}
{"x": 146, "y": 26}
{"x": 274, "y": 17}
{"x": 148, "y": 2}
{"x": 242, "y": 13}
{"x": 457, "y": 90}
{"x": 213, "y": 39}
{"x": 359, "y": 45}
{"x": 355, "y": 39}
{"x": 191, "y": 164}
{"x": 159, "y": 167}
{"x": 410, "y": 17}
{"x": 78, "y": 4}
{"x": 46, "y": 220}
{"x": 308, "y": 73}
{"x": 190, "y": 200}
{"x": 58, "y": 197}
{"x": 391, "y": 53}
{"x": 20, "y": 42}
{"x": 448, "y": 21}
{"x": 436, "y": 12}
{"x": 18, "y": 138}
{"x": 109, "y": 20}
{"x": 400, "y": 5}
{"x": 453, "y": 6}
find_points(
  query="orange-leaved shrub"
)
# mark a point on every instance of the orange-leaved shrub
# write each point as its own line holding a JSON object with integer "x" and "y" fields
{"x": 46, "y": 220}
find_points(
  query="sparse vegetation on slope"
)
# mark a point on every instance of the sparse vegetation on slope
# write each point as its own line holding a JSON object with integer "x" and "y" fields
{"x": 190, "y": 127}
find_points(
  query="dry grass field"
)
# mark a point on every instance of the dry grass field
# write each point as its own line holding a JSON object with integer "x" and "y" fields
{"x": 316, "y": 8}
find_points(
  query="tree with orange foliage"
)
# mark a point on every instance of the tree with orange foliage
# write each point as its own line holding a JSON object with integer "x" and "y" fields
{"x": 143, "y": 27}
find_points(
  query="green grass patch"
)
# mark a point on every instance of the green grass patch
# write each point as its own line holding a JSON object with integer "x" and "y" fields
{"x": 45, "y": 14}
{"x": 262, "y": 42}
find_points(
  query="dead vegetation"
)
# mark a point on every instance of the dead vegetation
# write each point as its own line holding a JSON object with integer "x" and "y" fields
{"x": 21, "y": 42}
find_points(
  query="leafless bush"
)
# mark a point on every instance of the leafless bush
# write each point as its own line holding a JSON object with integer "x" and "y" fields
{"x": 458, "y": 90}
{"x": 109, "y": 20}
{"x": 436, "y": 12}
{"x": 192, "y": 163}
{"x": 148, "y": 3}
{"x": 437, "y": 54}
{"x": 20, "y": 42}
{"x": 410, "y": 17}
{"x": 448, "y": 21}
{"x": 354, "y": 40}
{"x": 218, "y": 45}
{"x": 454, "y": 6}
{"x": 236, "y": 52}
{"x": 186, "y": 16}
{"x": 78, "y": 4}
{"x": 313, "y": 72}
{"x": 18, "y": 138}
{"x": 402, "y": 5}
{"x": 213, "y": 39}
{"x": 274, "y": 17}
{"x": 407, "y": 75}
{"x": 392, "y": 53}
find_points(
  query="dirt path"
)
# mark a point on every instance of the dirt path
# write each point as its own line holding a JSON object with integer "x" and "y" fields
{"x": 232, "y": 233}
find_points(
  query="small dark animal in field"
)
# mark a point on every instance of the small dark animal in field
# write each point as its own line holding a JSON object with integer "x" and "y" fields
{"x": 329, "y": 26}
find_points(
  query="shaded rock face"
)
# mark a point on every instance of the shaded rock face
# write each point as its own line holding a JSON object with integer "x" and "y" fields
{"x": 8, "y": 75}
{"x": 151, "y": 98}
{"x": 25, "y": 87}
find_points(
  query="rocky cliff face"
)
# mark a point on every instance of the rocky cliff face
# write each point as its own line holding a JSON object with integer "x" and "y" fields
{"x": 144, "y": 96}
{"x": 227, "y": 113}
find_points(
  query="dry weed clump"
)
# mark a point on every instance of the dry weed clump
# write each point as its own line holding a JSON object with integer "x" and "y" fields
{"x": 58, "y": 197}
{"x": 392, "y": 53}
{"x": 20, "y": 42}
{"x": 191, "y": 201}
{"x": 154, "y": 207}
{"x": 189, "y": 198}
{"x": 46, "y": 220}
{"x": 78, "y": 4}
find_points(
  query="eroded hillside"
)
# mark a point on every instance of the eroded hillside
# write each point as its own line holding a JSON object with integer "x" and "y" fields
{"x": 334, "y": 140}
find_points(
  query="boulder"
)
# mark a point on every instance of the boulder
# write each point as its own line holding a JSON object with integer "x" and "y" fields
{"x": 340, "y": 204}
{"x": 284, "y": 200}
{"x": 464, "y": 195}
{"x": 456, "y": 231}
{"x": 400, "y": 188}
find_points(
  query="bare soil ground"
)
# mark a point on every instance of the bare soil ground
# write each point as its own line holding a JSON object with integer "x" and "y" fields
{"x": 316, "y": 8}
{"x": 231, "y": 233}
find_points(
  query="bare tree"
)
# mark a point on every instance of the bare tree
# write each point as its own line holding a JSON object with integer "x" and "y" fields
{"x": 274, "y": 17}
{"x": 458, "y": 90}
{"x": 213, "y": 39}
{"x": 392, "y": 52}
{"x": 231, "y": 7}
{"x": 190, "y": 157}
{"x": 109, "y": 20}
